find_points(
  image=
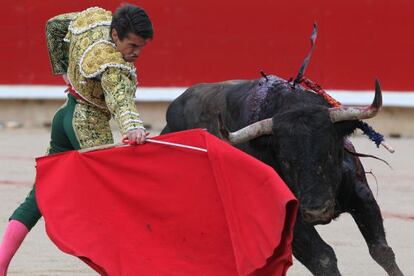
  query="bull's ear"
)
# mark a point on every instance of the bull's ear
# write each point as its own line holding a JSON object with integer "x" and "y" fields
{"x": 345, "y": 128}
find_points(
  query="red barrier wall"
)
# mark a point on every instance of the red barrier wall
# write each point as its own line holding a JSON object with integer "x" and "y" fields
{"x": 206, "y": 41}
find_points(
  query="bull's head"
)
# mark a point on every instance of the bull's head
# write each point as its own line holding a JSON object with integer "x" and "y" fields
{"x": 307, "y": 150}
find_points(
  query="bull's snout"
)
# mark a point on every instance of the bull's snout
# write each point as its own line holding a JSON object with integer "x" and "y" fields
{"x": 320, "y": 215}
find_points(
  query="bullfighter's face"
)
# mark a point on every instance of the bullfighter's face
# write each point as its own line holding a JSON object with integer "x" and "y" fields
{"x": 130, "y": 46}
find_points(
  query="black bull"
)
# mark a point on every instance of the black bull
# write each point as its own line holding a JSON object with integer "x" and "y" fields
{"x": 304, "y": 140}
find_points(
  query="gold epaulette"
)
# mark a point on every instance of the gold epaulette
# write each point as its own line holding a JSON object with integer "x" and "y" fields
{"x": 89, "y": 19}
{"x": 100, "y": 56}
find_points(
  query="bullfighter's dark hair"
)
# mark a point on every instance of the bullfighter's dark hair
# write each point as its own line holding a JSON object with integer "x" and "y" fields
{"x": 132, "y": 19}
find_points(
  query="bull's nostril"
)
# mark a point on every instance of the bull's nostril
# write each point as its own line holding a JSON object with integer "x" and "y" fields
{"x": 319, "y": 215}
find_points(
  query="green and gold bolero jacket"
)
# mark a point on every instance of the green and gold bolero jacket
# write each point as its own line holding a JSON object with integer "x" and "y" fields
{"x": 80, "y": 45}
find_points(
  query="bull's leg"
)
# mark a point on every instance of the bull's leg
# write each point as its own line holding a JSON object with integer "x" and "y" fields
{"x": 312, "y": 251}
{"x": 367, "y": 216}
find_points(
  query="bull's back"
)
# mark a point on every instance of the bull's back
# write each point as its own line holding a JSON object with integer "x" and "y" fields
{"x": 238, "y": 101}
{"x": 200, "y": 104}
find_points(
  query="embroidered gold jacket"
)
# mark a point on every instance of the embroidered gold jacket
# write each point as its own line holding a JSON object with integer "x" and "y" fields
{"x": 80, "y": 45}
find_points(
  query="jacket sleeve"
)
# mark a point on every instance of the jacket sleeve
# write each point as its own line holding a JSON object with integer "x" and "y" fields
{"x": 119, "y": 90}
{"x": 56, "y": 30}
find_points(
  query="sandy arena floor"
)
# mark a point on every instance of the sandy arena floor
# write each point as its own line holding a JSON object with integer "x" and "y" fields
{"x": 394, "y": 191}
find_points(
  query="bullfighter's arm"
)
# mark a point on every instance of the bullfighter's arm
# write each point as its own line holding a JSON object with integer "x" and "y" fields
{"x": 58, "y": 49}
{"x": 119, "y": 89}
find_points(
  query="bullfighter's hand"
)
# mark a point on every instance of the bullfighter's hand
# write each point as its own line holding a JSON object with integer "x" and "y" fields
{"x": 136, "y": 136}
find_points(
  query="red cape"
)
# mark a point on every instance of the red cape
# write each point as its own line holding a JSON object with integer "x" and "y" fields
{"x": 162, "y": 210}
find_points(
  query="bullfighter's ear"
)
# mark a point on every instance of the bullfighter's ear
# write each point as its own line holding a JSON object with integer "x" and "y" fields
{"x": 346, "y": 128}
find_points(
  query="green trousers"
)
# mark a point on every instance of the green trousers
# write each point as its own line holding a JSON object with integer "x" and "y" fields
{"x": 63, "y": 138}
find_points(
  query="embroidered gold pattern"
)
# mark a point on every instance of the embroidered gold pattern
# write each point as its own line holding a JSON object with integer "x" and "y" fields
{"x": 101, "y": 55}
{"x": 91, "y": 126}
{"x": 56, "y": 30}
{"x": 89, "y": 19}
{"x": 119, "y": 88}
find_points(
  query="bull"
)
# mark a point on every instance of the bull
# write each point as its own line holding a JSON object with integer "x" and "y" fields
{"x": 294, "y": 130}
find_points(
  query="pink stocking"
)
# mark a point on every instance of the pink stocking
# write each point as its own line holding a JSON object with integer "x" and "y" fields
{"x": 12, "y": 238}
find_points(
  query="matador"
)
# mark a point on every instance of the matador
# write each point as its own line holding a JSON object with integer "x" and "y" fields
{"x": 94, "y": 51}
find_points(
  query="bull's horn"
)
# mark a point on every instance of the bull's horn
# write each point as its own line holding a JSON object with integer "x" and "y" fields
{"x": 347, "y": 113}
{"x": 251, "y": 131}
